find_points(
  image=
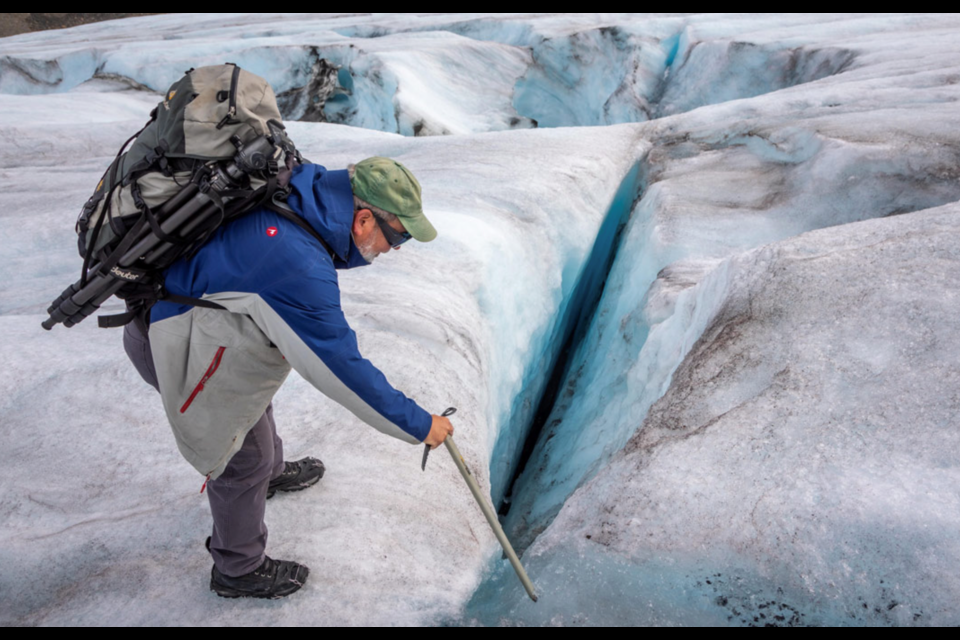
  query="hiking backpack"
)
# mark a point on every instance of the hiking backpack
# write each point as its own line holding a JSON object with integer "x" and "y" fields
{"x": 213, "y": 149}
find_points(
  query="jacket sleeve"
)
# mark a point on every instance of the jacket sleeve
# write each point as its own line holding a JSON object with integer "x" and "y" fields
{"x": 302, "y": 316}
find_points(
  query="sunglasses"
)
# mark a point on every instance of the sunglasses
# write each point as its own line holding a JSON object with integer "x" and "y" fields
{"x": 394, "y": 237}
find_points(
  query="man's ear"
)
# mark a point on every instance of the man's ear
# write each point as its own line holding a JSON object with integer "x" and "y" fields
{"x": 362, "y": 220}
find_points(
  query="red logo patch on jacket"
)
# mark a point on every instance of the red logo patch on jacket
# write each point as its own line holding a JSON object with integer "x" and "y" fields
{"x": 271, "y": 231}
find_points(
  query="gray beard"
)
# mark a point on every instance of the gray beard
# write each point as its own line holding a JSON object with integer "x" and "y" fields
{"x": 365, "y": 251}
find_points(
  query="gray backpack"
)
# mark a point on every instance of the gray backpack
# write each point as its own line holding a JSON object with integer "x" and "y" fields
{"x": 215, "y": 142}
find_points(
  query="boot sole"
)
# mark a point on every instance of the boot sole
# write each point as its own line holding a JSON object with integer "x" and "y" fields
{"x": 291, "y": 587}
{"x": 224, "y": 592}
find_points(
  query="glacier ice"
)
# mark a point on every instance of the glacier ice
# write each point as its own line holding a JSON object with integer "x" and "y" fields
{"x": 437, "y": 74}
{"x": 745, "y": 174}
{"x": 675, "y": 479}
{"x": 121, "y": 507}
{"x": 802, "y": 463}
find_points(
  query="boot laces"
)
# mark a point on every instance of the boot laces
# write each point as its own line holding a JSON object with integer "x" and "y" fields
{"x": 268, "y": 569}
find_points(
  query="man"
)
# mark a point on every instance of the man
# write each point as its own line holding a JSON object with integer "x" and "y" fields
{"x": 217, "y": 370}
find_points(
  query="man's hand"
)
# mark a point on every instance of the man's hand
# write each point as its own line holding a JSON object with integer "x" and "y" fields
{"x": 439, "y": 430}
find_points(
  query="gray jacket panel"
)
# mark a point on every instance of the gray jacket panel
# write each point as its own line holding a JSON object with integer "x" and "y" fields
{"x": 218, "y": 371}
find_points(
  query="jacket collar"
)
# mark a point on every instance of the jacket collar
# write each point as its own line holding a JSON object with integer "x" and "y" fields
{"x": 325, "y": 200}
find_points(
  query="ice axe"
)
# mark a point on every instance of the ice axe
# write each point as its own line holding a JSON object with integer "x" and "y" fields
{"x": 484, "y": 507}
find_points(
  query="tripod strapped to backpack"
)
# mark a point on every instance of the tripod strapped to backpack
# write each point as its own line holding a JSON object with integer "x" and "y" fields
{"x": 183, "y": 221}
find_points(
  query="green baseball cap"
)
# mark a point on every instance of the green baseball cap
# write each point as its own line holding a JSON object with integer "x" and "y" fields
{"x": 390, "y": 186}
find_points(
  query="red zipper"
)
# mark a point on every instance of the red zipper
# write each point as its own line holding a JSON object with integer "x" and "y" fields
{"x": 206, "y": 376}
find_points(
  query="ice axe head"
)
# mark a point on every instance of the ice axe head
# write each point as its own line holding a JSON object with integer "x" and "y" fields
{"x": 426, "y": 448}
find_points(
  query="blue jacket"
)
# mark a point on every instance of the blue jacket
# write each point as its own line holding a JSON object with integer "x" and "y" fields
{"x": 218, "y": 370}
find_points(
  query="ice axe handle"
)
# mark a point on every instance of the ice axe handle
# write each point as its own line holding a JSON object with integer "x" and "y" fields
{"x": 491, "y": 517}
{"x": 426, "y": 448}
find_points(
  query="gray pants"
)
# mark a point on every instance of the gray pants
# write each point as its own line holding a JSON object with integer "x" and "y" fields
{"x": 238, "y": 497}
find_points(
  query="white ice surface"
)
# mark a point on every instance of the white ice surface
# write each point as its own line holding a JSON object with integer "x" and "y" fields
{"x": 775, "y": 125}
{"x": 803, "y": 466}
{"x": 730, "y": 177}
{"x": 97, "y": 500}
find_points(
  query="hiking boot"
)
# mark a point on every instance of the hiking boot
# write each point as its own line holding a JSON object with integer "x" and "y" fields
{"x": 297, "y": 476}
{"x": 273, "y": 579}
